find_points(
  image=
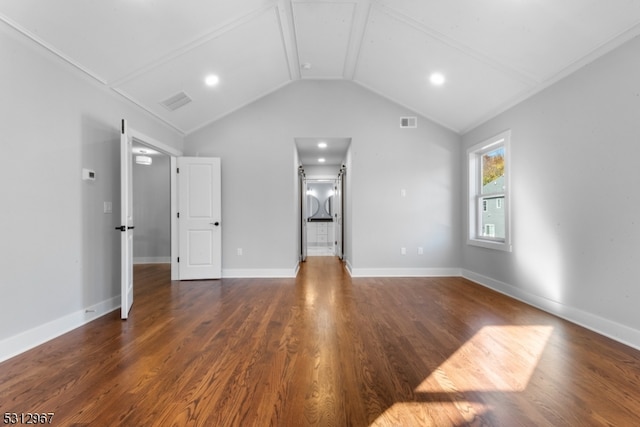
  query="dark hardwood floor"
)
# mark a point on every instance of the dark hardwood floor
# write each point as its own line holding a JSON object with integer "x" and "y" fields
{"x": 325, "y": 349}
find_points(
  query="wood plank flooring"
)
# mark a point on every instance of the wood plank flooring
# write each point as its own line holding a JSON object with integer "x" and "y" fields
{"x": 325, "y": 350}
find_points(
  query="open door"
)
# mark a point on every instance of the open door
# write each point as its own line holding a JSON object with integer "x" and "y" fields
{"x": 126, "y": 221}
{"x": 337, "y": 216}
{"x": 303, "y": 216}
{"x": 199, "y": 217}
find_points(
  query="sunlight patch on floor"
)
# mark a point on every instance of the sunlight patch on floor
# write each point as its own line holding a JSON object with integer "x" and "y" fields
{"x": 497, "y": 358}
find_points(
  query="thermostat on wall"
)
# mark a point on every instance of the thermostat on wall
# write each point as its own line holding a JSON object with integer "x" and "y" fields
{"x": 88, "y": 175}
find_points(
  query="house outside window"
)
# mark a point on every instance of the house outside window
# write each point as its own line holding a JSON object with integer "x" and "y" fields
{"x": 489, "y": 218}
{"x": 489, "y": 230}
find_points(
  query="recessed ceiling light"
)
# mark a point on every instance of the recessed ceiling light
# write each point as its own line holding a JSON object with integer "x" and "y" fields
{"x": 437, "y": 79}
{"x": 212, "y": 80}
{"x": 322, "y": 145}
{"x": 321, "y": 160}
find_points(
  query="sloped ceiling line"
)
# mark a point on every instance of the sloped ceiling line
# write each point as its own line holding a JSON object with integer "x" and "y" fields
{"x": 521, "y": 75}
{"x": 575, "y": 64}
{"x": 409, "y": 108}
{"x": 147, "y": 110}
{"x": 323, "y": 31}
{"x": 494, "y": 54}
{"x": 580, "y": 61}
{"x": 236, "y": 108}
{"x": 188, "y": 47}
{"x": 358, "y": 29}
{"x": 38, "y": 40}
{"x": 285, "y": 17}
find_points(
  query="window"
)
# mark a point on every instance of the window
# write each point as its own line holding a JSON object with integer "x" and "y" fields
{"x": 489, "y": 193}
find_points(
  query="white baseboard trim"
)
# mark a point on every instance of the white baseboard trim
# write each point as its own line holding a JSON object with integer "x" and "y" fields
{"x": 403, "y": 272}
{"x": 14, "y": 345}
{"x": 600, "y": 325}
{"x": 152, "y": 260}
{"x": 258, "y": 273}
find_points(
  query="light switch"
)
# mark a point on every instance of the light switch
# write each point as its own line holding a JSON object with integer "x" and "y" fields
{"x": 88, "y": 175}
{"x": 108, "y": 207}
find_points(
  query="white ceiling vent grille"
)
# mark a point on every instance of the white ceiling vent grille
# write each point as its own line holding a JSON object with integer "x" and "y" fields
{"x": 176, "y": 101}
{"x": 408, "y": 122}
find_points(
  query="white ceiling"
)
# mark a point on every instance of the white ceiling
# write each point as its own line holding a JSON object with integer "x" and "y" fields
{"x": 493, "y": 53}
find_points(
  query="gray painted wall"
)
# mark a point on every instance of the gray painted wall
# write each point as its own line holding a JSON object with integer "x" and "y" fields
{"x": 60, "y": 251}
{"x": 255, "y": 145}
{"x": 575, "y": 199}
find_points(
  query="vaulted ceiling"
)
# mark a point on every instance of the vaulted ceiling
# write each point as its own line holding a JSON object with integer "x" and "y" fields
{"x": 492, "y": 53}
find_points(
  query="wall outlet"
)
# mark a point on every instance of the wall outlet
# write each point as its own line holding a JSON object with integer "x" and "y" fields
{"x": 239, "y": 251}
{"x": 403, "y": 192}
{"x": 420, "y": 251}
{"x": 403, "y": 251}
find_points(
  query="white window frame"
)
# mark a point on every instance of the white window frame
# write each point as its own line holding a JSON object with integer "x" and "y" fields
{"x": 474, "y": 157}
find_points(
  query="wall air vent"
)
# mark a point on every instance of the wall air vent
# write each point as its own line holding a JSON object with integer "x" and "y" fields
{"x": 176, "y": 101}
{"x": 408, "y": 122}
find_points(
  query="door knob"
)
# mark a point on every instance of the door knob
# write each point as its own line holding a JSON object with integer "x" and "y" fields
{"x": 215, "y": 223}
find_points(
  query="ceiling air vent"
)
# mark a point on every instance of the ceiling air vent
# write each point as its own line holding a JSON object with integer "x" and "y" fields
{"x": 176, "y": 101}
{"x": 408, "y": 122}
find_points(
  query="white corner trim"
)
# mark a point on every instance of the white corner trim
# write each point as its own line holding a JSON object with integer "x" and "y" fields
{"x": 614, "y": 330}
{"x": 349, "y": 267}
{"x": 403, "y": 272}
{"x": 14, "y": 345}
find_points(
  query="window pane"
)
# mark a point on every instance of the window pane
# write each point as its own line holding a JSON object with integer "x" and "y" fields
{"x": 493, "y": 171}
{"x": 493, "y": 220}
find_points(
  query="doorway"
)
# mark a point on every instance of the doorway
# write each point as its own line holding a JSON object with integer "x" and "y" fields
{"x": 151, "y": 205}
{"x": 145, "y": 142}
{"x": 321, "y": 216}
{"x": 321, "y": 166}
{"x": 199, "y": 223}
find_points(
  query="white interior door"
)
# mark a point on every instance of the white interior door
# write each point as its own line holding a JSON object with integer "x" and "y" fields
{"x": 199, "y": 210}
{"x": 126, "y": 222}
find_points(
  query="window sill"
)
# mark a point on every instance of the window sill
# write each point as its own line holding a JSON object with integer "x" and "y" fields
{"x": 490, "y": 244}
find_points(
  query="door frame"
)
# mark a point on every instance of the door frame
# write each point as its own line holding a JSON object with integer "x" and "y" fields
{"x": 305, "y": 181}
{"x": 302, "y": 203}
{"x": 173, "y": 154}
